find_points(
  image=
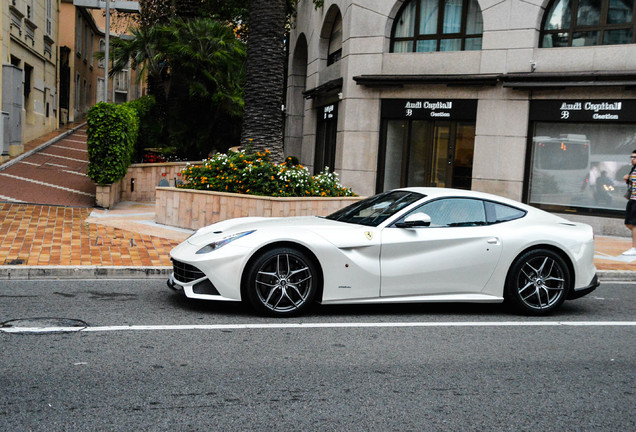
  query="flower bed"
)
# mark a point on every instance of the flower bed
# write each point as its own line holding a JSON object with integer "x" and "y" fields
{"x": 193, "y": 209}
{"x": 255, "y": 174}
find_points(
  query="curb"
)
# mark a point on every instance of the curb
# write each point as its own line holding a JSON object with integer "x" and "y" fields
{"x": 617, "y": 275}
{"x": 21, "y": 272}
{"x": 40, "y": 147}
{"x": 82, "y": 272}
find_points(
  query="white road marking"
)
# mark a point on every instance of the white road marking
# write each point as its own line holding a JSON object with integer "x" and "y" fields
{"x": 608, "y": 257}
{"x": 56, "y": 165}
{"x": 63, "y": 157}
{"x": 6, "y": 198}
{"x": 72, "y": 140}
{"x": 45, "y": 163}
{"x": 69, "y": 148}
{"x": 75, "y": 173}
{"x": 48, "y": 184}
{"x": 136, "y": 328}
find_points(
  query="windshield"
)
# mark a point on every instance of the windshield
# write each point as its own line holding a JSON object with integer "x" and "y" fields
{"x": 376, "y": 209}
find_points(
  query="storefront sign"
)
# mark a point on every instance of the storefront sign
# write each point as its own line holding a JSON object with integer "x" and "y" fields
{"x": 583, "y": 110}
{"x": 328, "y": 112}
{"x": 430, "y": 109}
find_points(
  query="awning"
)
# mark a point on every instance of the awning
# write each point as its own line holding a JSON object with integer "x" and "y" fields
{"x": 512, "y": 80}
{"x": 449, "y": 80}
{"x": 569, "y": 79}
{"x": 332, "y": 86}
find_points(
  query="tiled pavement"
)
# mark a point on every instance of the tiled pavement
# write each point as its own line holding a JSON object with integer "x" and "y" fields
{"x": 36, "y": 235}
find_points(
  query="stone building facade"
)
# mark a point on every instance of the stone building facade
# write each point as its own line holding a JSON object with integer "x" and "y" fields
{"x": 534, "y": 100}
{"x": 28, "y": 54}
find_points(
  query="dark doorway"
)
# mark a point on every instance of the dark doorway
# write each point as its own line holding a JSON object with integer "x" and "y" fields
{"x": 325, "y": 153}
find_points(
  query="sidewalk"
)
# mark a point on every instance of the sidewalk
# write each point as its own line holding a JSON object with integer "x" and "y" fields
{"x": 65, "y": 242}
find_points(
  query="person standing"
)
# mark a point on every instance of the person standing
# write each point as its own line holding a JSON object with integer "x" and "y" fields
{"x": 630, "y": 212}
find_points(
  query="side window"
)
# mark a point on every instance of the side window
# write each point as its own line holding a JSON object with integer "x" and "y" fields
{"x": 454, "y": 212}
{"x": 501, "y": 213}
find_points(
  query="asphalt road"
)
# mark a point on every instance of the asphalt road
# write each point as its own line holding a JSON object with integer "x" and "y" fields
{"x": 138, "y": 357}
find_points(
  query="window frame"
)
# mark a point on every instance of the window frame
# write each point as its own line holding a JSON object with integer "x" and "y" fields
{"x": 335, "y": 55}
{"x": 602, "y": 27}
{"x": 439, "y": 35}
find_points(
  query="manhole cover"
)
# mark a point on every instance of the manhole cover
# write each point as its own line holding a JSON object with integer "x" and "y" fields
{"x": 42, "y": 325}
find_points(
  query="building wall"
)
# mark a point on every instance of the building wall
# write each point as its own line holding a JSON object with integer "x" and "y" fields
{"x": 29, "y": 43}
{"x": 511, "y": 30}
{"x": 85, "y": 70}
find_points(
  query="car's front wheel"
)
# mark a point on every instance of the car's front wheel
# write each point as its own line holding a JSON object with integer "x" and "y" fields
{"x": 282, "y": 282}
{"x": 538, "y": 282}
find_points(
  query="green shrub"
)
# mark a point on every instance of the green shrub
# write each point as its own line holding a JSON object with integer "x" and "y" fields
{"x": 150, "y": 125}
{"x": 112, "y": 132}
{"x": 255, "y": 174}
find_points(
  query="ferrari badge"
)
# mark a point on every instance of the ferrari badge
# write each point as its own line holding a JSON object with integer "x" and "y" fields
{"x": 369, "y": 235}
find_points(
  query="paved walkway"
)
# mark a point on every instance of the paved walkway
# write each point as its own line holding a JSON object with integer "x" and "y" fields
{"x": 47, "y": 219}
{"x": 52, "y": 173}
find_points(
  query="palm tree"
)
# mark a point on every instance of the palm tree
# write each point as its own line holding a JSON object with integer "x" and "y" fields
{"x": 198, "y": 66}
{"x": 263, "y": 117}
{"x": 144, "y": 50}
{"x": 207, "y": 64}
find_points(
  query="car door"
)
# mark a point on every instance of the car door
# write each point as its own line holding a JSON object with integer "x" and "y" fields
{"x": 456, "y": 254}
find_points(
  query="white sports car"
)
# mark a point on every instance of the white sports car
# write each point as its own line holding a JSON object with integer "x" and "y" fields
{"x": 405, "y": 245}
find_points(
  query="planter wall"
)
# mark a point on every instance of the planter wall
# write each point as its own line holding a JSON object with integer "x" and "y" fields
{"x": 193, "y": 209}
{"x": 146, "y": 178}
{"x": 139, "y": 183}
{"x": 108, "y": 195}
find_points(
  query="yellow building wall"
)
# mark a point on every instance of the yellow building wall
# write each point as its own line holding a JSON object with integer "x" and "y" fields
{"x": 29, "y": 43}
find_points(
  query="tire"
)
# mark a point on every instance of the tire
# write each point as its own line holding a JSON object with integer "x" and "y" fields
{"x": 282, "y": 283}
{"x": 538, "y": 282}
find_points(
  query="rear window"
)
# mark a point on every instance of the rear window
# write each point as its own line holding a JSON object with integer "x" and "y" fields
{"x": 496, "y": 212}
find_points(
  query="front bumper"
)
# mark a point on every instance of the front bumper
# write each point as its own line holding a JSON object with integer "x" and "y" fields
{"x": 202, "y": 289}
{"x": 574, "y": 294}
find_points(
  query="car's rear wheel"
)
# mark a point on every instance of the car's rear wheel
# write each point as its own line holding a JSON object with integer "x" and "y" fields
{"x": 538, "y": 282}
{"x": 282, "y": 282}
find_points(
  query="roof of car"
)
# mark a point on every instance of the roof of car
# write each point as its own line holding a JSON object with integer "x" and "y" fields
{"x": 436, "y": 192}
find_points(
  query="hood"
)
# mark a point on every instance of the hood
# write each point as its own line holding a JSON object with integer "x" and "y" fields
{"x": 340, "y": 234}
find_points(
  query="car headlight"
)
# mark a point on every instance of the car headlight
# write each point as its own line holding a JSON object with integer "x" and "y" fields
{"x": 220, "y": 243}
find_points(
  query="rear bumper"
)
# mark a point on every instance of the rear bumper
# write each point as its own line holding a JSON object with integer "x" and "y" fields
{"x": 574, "y": 294}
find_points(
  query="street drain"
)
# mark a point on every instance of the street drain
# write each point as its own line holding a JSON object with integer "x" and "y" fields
{"x": 42, "y": 325}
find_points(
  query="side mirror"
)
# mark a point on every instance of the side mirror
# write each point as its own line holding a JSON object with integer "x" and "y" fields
{"x": 415, "y": 220}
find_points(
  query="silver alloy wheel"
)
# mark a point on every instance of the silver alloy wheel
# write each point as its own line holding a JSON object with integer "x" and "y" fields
{"x": 541, "y": 282}
{"x": 284, "y": 283}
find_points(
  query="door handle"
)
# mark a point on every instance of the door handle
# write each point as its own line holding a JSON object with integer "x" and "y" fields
{"x": 493, "y": 241}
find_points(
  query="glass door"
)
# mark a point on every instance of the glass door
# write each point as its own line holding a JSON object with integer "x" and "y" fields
{"x": 426, "y": 153}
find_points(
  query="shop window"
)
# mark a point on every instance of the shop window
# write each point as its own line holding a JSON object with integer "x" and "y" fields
{"x": 572, "y": 23}
{"x": 436, "y": 25}
{"x": 426, "y": 143}
{"x": 580, "y": 165}
{"x": 334, "y": 53}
